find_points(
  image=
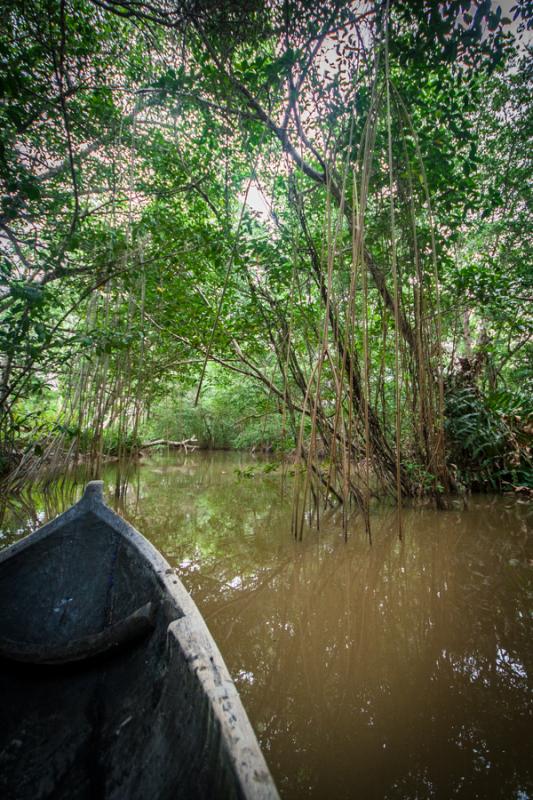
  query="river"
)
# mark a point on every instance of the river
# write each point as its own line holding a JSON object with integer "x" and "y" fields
{"x": 391, "y": 670}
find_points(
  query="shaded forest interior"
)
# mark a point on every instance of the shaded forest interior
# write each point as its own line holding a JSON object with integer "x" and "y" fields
{"x": 289, "y": 226}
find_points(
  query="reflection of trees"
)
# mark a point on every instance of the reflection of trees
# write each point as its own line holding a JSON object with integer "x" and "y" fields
{"x": 399, "y": 671}
{"x": 199, "y": 509}
{"x": 23, "y": 513}
{"x": 395, "y": 671}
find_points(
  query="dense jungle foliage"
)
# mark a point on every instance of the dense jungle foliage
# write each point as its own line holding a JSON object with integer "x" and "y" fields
{"x": 287, "y": 225}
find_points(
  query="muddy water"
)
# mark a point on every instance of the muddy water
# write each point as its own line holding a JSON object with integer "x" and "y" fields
{"x": 398, "y": 670}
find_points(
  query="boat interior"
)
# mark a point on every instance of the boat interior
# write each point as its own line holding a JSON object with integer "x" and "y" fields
{"x": 92, "y": 703}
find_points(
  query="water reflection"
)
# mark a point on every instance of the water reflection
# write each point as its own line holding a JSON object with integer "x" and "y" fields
{"x": 396, "y": 671}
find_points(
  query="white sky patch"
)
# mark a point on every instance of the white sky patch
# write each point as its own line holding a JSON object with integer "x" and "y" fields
{"x": 245, "y": 676}
{"x": 256, "y": 200}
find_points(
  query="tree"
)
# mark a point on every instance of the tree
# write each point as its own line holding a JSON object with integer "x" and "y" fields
{"x": 361, "y": 129}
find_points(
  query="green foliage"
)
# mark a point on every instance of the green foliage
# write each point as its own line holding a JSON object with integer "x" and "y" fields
{"x": 129, "y": 257}
{"x": 490, "y": 438}
{"x": 116, "y": 443}
{"x": 424, "y": 482}
{"x": 232, "y": 414}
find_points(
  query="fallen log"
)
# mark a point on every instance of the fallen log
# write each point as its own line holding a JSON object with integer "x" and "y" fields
{"x": 185, "y": 444}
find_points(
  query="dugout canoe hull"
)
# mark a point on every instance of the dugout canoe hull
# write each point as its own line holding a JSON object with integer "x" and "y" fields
{"x": 110, "y": 684}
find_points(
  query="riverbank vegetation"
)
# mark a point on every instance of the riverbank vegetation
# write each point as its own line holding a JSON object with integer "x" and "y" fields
{"x": 292, "y": 226}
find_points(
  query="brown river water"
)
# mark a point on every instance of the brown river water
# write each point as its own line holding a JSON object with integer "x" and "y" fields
{"x": 396, "y": 670}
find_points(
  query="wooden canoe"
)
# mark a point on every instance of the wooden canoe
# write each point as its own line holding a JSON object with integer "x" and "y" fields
{"x": 110, "y": 684}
